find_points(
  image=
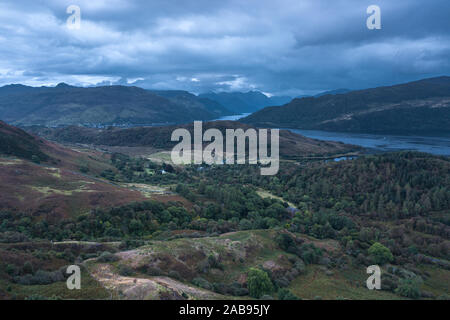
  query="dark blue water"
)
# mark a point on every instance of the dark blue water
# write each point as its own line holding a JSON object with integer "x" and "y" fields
{"x": 433, "y": 145}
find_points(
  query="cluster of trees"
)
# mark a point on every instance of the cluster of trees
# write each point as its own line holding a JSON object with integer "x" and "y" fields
{"x": 142, "y": 170}
{"x": 391, "y": 186}
{"x": 135, "y": 220}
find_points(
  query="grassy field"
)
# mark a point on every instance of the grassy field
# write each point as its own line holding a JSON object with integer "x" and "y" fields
{"x": 348, "y": 284}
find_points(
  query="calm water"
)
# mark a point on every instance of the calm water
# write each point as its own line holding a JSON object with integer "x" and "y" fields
{"x": 233, "y": 117}
{"x": 434, "y": 145}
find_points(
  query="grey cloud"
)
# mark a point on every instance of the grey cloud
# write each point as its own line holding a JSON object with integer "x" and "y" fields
{"x": 283, "y": 47}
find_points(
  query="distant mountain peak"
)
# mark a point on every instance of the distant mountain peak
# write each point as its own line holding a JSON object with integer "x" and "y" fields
{"x": 63, "y": 85}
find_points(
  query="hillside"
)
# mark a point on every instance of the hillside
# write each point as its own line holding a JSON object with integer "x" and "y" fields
{"x": 68, "y": 105}
{"x": 16, "y": 142}
{"x": 420, "y": 107}
{"x": 42, "y": 178}
{"x": 190, "y": 100}
{"x": 201, "y": 266}
{"x": 245, "y": 102}
{"x": 291, "y": 144}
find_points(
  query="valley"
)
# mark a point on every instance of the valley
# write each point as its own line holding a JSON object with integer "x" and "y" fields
{"x": 146, "y": 229}
{"x": 110, "y": 200}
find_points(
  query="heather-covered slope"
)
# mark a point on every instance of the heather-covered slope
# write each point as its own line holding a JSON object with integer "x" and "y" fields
{"x": 16, "y": 142}
{"x": 42, "y": 178}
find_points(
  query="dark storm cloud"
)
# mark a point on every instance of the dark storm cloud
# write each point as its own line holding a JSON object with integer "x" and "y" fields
{"x": 283, "y": 47}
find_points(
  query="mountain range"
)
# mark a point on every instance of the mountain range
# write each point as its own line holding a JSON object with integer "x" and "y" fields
{"x": 106, "y": 105}
{"x": 419, "y": 107}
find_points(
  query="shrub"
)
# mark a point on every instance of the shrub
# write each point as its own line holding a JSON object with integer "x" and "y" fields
{"x": 299, "y": 265}
{"x": 380, "y": 254}
{"x": 174, "y": 274}
{"x": 409, "y": 288}
{"x": 11, "y": 269}
{"x": 236, "y": 289}
{"x": 152, "y": 271}
{"x": 27, "y": 267}
{"x": 259, "y": 283}
{"x": 282, "y": 282}
{"x": 214, "y": 262}
{"x": 202, "y": 283}
{"x": 310, "y": 253}
{"x": 40, "y": 277}
{"x": 285, "y": 294}
{"x": 240, "y": 292}
{"x": 125, "y": 270}
{"x": 220, "y": 287}
{"x": 84, "y": 169}
{"x": 285, "y": 242}
{"x": 107, "y": 257}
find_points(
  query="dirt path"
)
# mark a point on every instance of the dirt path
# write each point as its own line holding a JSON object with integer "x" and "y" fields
{"x": 152, "y": 288}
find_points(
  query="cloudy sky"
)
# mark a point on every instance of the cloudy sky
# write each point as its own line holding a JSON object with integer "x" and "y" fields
{"x": 280, "y": 47}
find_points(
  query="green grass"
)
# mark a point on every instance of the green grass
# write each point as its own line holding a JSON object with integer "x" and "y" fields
{"x": 350, "y": 284}
{"x": 438, "y": 282}
{"x": 266, "y": 194}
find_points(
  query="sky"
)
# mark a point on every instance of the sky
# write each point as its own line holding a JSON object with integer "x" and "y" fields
{"x": 283, "y": 47}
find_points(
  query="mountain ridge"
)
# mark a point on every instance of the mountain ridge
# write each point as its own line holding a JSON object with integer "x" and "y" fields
{"x": 106, "y": 105}
{"x": 418, "y": 107}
